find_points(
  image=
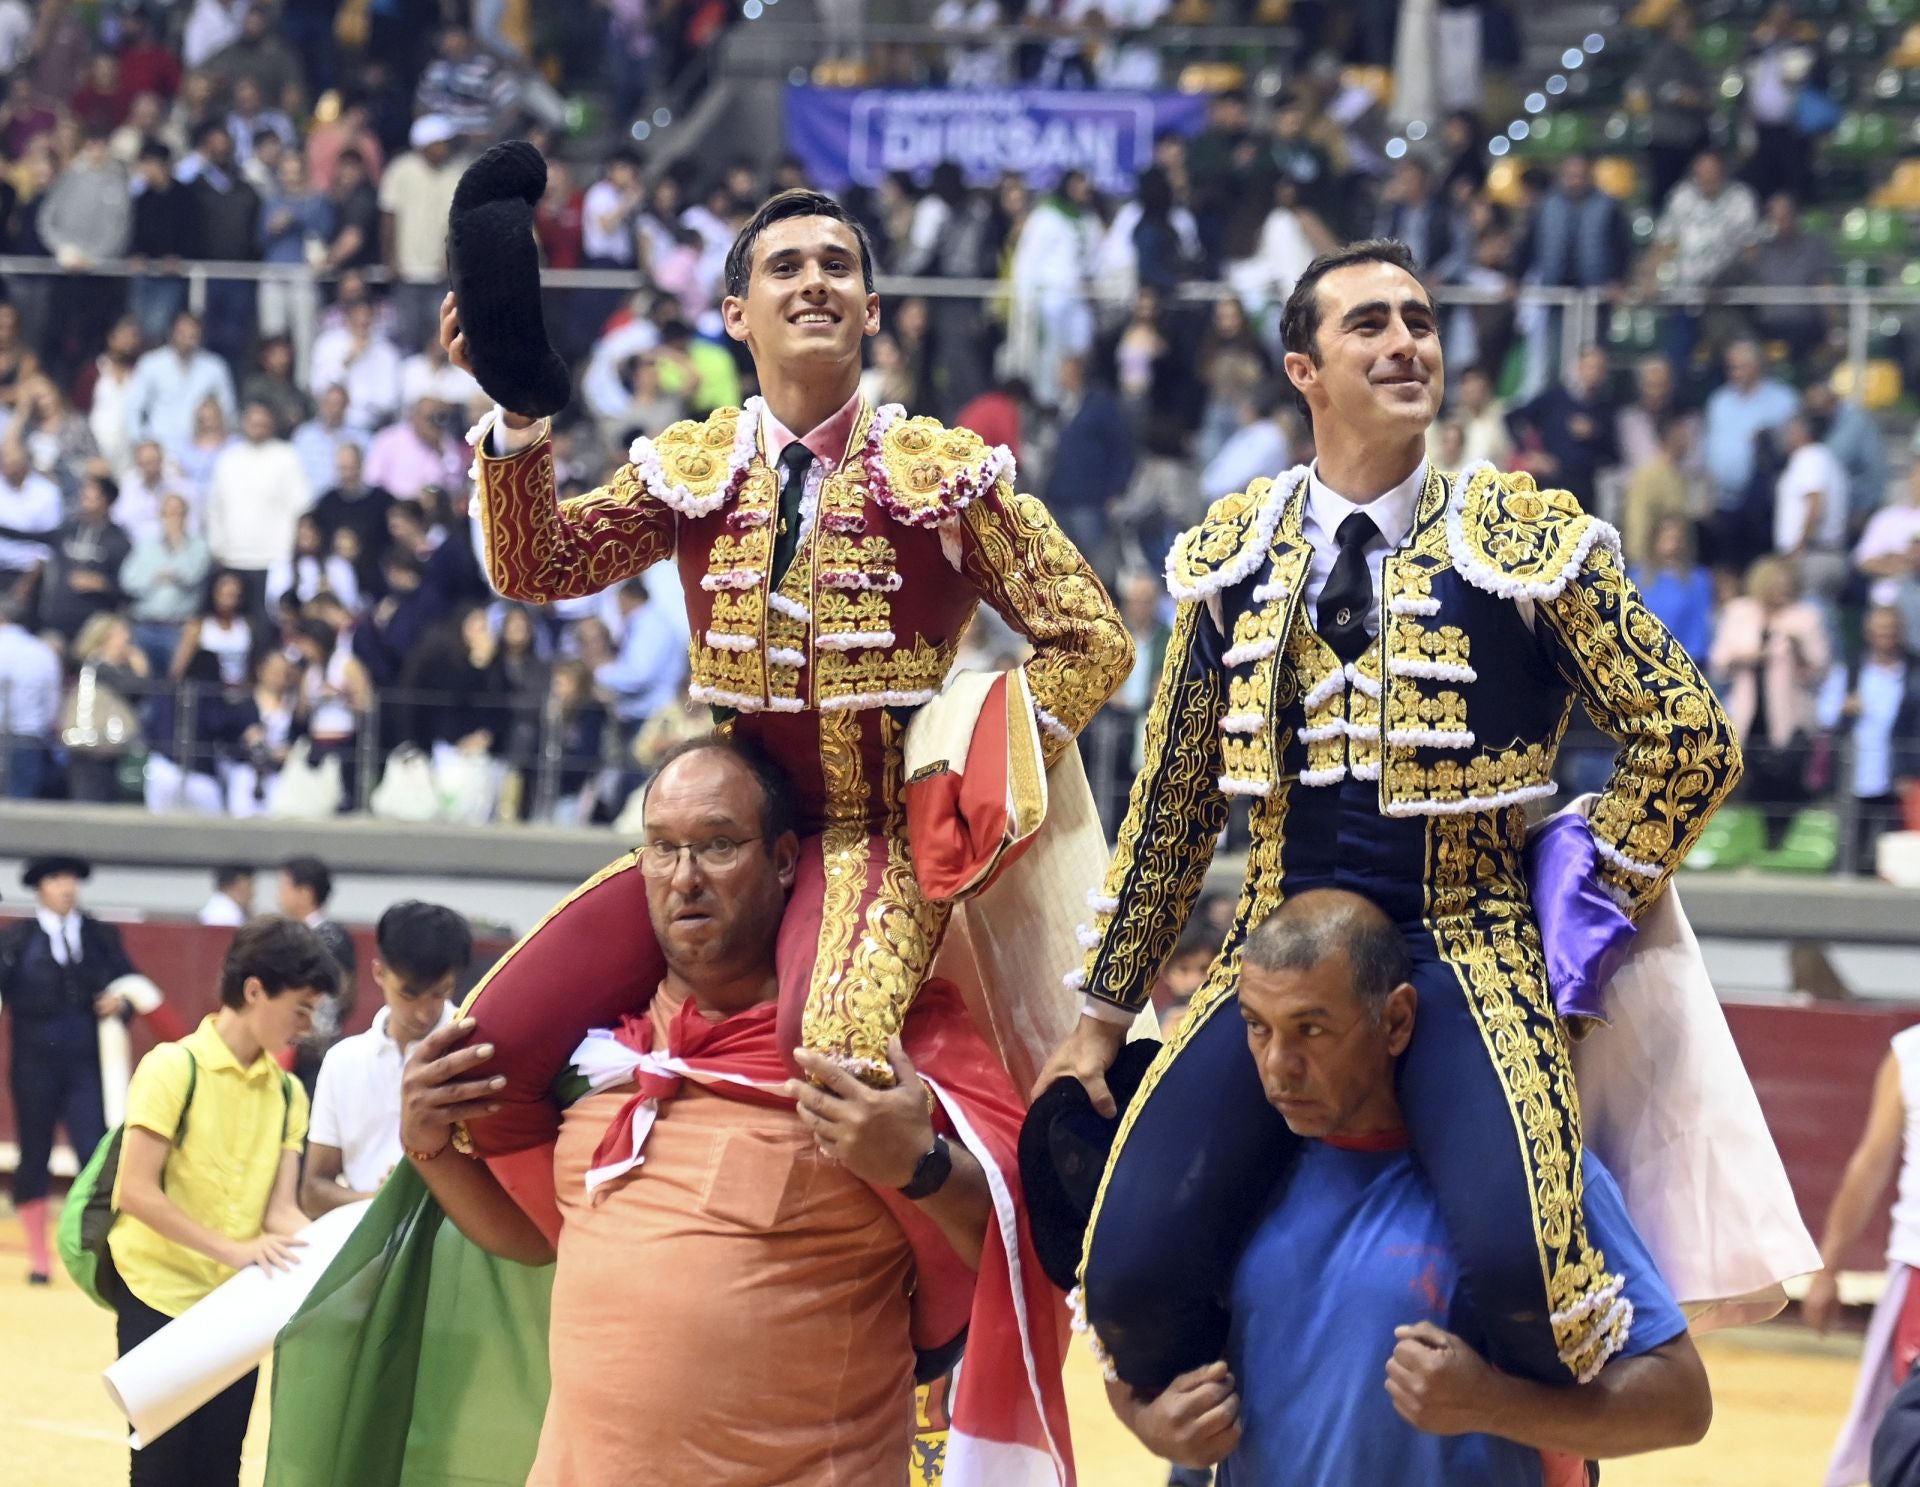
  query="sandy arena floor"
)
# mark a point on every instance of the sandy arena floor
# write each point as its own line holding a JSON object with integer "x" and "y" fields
{"x": 1779, "y": 1393}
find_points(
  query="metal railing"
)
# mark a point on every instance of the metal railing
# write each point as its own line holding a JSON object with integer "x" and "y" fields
{"x": 1585, "y": 312}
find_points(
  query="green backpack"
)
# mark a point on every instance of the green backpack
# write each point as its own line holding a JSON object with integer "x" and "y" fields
{"x": 87, "y": 1217}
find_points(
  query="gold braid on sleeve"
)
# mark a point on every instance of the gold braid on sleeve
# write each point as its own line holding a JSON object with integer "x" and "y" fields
{"x": 1679, "y": 758}
{"x": 1023, "y": 565}
{"x": 539, "y": 549}
{"x": 1174, "y": 816}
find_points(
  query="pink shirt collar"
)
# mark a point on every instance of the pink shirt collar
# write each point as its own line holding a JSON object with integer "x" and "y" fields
{"x": 827, "y": 443}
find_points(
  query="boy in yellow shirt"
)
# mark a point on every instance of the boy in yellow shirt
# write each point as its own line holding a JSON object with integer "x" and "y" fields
{"x": 208, "y": 1173}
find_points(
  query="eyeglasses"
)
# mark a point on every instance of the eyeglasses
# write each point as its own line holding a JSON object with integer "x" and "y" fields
{"x": 660, "y": 859}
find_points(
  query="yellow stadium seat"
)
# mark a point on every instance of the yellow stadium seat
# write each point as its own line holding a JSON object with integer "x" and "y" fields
{"x": 1212, "y": 77}
{"x": 1880, "y": 388}
{"x": 1192, "y": 13}
{"x": 1273, "y": 12}
{"x": 847, "y": 72}
{"x": 1902, "y": 190}
{"x": 1653, "y": 15}
{"x": 1618, "y": 176}
{"x": 1376, "y": 80}
{"x": 1907, "y": 54}
{"x": 1503, "y": 183}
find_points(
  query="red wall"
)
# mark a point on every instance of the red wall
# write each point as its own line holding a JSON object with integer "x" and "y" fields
{"x": 184, "y": 961}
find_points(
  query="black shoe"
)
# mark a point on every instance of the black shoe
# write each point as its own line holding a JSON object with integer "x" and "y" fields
{"x": 39, "y": 1278}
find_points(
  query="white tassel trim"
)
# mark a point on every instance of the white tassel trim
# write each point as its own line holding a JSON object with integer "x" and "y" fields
{"x": 1052, "y": 726}
{"x": 1243, "y": 723}
{"x": 856, "y": 640}
{"x": 1230, "y": 785}
{"x": 1433, "y": 671}
{"x": 1074, "y": 980}
{"x": 1368, "y": 771}
{"x": 646, "y": 464}
{"x": 1619, "y": 1315}
{"x": 785, "y": 655}
{"x": 1488, "y": 579}
{"x": 733, "y": 578}
{"x": 1321, "y": 732}
{"x": 1271, "y": 590}
{"x": 1363, "y": 732}
{"x": 1100, "y": 903}
{"x": 1404, "y": 605}
{"x": 1077, "y": 1304}
{"x": 1614, "y": 856}
{"x": 740, "y": 702}
{"x": 1328, "y": 687}
{"x": 722, "y": 642}
{"x": 1587, "y": 1305}
{"x": 877, "y": 699}
{"x": 1431, "y": 738}
{"x": 1250, "y": 556}
{"x": 1253, "y": 650}
{"x": 1314, "y": 779}
{"x": 1365, "y": 685}
{"x": 1087, "y": 935}
{"x": 841, "y": 578}
{"x": 793, "y": 609}
{"x": 1471, "y": 804}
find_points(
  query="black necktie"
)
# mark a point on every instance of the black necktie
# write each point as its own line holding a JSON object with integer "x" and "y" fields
{"x": 1348, "y": 596}
{"x": 796, "y": 459}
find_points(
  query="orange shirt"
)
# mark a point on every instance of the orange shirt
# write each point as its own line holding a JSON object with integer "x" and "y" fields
{"x": 732, "y": 1313}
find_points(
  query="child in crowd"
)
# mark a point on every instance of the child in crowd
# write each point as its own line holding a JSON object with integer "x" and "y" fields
{"x": 424, "y": 952}
{"x": 208, "y": 1174}
{"x": 1183, "y": 975}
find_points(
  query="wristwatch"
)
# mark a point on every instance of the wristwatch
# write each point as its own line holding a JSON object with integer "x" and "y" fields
{"x": 931, "y": 1172}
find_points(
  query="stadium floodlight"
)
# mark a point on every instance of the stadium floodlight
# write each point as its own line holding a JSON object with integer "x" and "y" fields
{"x": 1595, "y": 44}
{"x": 1518, "y": 129}
{"x": 1396, "y": 147}
{"x": 1417, "y": 130}
{"x": 662, "y": 117}
{"x": 753, "y": 10}
{"x": 641, "y": 129}
{"x": 1536, "y": 103}
{"x": 1498, "y": 145}
{"x": 1556, "y": 85}
{"x": 1572, "y": 57}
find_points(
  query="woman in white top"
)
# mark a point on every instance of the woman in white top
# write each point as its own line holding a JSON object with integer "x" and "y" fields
{"x": 221, "y": 628}
{"x": 1890, "y": 1143}
{"x": 275, "y": 698}
{"x": 310, "y": 569}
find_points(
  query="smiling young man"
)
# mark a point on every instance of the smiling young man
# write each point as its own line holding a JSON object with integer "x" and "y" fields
{"x": 1349, "y": 1271}
{"x": 1382, "y": 658}
{"x": 832, "y": 555}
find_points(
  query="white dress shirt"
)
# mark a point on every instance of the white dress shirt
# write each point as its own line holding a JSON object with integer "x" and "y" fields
{"x": 356, "y": 1103}
{"x": 1326, "y": 509}
{"x": 222, "y": 909}
{"x": 63, "y": 931}
{"x": 29, "y": 684}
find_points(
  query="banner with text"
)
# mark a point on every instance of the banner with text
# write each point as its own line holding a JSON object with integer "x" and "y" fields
{"x": 858, "y": 136}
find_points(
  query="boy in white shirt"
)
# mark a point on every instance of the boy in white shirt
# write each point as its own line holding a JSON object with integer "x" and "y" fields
{"x": 423, "y": 953}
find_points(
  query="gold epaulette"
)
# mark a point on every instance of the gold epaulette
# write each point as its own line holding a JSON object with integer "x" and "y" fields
{"x": 692, "y": 466}
{"x": 1508, "y": 537}
{"x": 930, "y": 473}
{"x": 1231, "y": 540}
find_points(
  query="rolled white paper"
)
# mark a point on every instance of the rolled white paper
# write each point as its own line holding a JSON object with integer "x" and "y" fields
{"x": 116, "y": 1069}
{"x": 218, "y": 1340}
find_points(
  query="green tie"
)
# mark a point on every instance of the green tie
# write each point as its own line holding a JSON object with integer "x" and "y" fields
{"x": 796, "y": 459}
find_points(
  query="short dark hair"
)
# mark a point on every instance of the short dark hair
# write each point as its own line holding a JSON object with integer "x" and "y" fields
{"x": 311, "y": 874}
{"x": 1196, "y": 939}
{"x": 282, "y": 955}
{"x": 778, "y": 815}
{"x": 152, "y": 149}
{"x": 1311, "y": 927}
{"x": 231, "y": 873}
{"x": 423, "y": 942}
{"x": 1300, "y": 319}
{"x": 783, "y": 208}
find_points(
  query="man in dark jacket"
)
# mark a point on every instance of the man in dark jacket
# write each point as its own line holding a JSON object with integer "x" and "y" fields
{"x": 85, "y": 576}
{"x": 226, "y": 220}
{"x": 162, "y": 236}
{"x": 61, "y": 973}
{"x": 1565, "y": 436}
{"x": 1092, "y": 460}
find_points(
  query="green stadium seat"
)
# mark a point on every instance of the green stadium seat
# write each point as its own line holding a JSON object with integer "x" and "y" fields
{"x": 1811, "y": 845}
{"x": 1716, "y": 45}
{"x": 1733, "y": 837}
{"x": 1894, "y": 12}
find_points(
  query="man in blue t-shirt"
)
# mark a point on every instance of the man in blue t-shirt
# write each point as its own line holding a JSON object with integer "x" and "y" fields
{"x": 1353, "y": 1356}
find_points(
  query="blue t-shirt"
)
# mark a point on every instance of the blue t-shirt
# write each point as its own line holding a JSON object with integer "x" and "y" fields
{"x": 1352, "y": 1247}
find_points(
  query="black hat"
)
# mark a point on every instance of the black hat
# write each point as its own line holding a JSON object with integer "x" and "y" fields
{"x": 54, "y": 865}
{"x": 1064, "y": 1143}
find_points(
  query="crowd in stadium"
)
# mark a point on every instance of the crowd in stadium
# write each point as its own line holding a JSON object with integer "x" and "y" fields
{"x": 267, "y": 499}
